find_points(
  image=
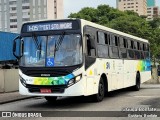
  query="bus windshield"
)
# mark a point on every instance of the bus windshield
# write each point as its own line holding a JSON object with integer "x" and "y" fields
{"x": 52, "y": 51}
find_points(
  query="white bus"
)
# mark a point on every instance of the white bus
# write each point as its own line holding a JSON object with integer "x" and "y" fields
{"x": 75, "y": 57}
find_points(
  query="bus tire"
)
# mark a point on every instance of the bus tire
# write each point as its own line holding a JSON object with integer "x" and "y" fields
{"x": 138, "y": 82}
{"x": 50, "y": 98}
{"x": 101, "y": 92}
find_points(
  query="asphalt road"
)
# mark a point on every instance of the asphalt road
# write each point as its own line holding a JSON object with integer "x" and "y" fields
{"x": 148, "y": 98}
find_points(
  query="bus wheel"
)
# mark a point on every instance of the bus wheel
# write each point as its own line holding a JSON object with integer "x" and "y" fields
{"x": 50, "y": 98}
{"x": 138, "y": 83}
{"x": 101, "y": 92}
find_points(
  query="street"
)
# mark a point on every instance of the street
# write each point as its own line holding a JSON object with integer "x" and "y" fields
{"x": 147, "y": 97}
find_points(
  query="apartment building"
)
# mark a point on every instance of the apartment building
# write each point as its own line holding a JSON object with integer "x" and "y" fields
{"x": 13, "y": 13}
{"x": 152, "y": 12}
{"x": 139, "y": 6}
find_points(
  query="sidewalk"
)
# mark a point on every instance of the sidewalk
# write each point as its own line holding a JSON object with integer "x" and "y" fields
{"x": 12, "y": 96}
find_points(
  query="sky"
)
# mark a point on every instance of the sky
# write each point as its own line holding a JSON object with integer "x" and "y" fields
{"x": 72, "y": 6}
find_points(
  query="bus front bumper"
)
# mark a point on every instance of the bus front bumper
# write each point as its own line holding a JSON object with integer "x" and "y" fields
{"x": 76, "y": 89}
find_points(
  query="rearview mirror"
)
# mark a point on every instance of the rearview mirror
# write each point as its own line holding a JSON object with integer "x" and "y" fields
{"x": 18, "y": 45}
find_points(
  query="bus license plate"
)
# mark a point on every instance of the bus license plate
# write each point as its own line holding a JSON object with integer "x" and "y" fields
{"x": 45, "y": 90}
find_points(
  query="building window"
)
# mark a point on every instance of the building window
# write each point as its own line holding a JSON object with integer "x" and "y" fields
{"x": 13, "y": 26}
{"x": 12, "y": 2}
{"x": 25, "y": 1}
{"x": 13, "y": 20}
{"x": 25, "y": 19}
{"x": 13, "y": 14}
{"x": 25, "y": 7}
{"x": 13, "y": 8}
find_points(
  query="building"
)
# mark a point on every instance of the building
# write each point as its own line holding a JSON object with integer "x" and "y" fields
{"x": 139, "y": 6}
{"x": 152, "y": 12}
{"x": 13, "y": 13}
{"x": 150, "y": 3}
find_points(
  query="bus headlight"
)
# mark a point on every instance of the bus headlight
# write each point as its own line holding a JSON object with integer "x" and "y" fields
{"x": 71, "y": 82}
{"x": 74, "y": 80}
{"x": 78, "y": 78}
{"x": 23, "y": 81}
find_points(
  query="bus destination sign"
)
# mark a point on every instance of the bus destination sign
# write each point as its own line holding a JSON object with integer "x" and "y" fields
{"x": 49, "y": 26}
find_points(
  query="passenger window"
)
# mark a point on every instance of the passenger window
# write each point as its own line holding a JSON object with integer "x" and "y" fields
{"x": 135, "y": 45}
{"x": 132, "y": 44}
{"x": 141, "y": 46}
{"x": 107, "y": 39}
{"x": 129, "y": 44}
{"x": 147, "y": 47}
{"x": 113, "y": 52}
{"x": 144, "y": 47}
{"x": 125, "y": 42}
{"x": 138, "y": 46}
{"x": 115, "y": 40}
{"x": 103, "y": 51}
{"x": 101, "y": 38}
{"x": 121, "y": 42}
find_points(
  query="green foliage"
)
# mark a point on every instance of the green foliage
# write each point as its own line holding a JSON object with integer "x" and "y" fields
{"x": 128, "y": 22}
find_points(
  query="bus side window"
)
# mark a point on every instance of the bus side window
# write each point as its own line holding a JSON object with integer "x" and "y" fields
{"x": 129, "y": 44}
{"x": 135, "y": 45}
{"x": 115, "y": 41}
{"x": 122, "y": 49}
{"x": 123, "y": 42}
{"x": 101, "y": 38}
{"x": 144, "y": 47}
{"x": 132, "y": 44}
{"x": 130, "y": 49}
{"x": 147, "y": 47}
{"x": 113, "y": 48}
{"x": 141, "y": 46}
{"x": 138, "y": 46}
{"x": 107, "y": 39}
{"x": 90, "y": 49}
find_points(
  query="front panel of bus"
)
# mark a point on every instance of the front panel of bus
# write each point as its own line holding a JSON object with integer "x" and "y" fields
{"x": 52, "y": 61}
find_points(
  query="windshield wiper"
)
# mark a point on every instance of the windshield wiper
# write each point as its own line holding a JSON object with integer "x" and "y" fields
{"x": 36, "y": 42}
{"x": 58, "y": 43}
{"x": 38, "y": 46}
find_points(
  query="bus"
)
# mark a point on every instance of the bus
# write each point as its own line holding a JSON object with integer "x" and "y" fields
{"x": 75, "y": 57}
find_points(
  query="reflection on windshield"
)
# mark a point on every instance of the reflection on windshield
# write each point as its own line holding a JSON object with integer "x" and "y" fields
{"x": 68, "y": 54}
{"x": 33, "y": 56}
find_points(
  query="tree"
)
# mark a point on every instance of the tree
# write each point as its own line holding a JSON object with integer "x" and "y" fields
{"x": 155, "y": 23}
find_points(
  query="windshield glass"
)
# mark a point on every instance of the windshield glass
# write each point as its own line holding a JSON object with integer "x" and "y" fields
{"x": 52, "y": 51}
